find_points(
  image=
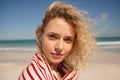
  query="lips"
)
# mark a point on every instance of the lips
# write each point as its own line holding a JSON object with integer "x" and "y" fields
{"x": 56, "y": 55}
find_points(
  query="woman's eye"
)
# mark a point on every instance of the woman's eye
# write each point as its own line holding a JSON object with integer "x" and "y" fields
{"x": 52, "y": 37}
{"x": 68, "y": 40}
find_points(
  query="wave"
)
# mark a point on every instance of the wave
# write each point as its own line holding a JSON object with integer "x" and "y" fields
{"x": 109, "y": 43}
{"x": 17, "y": 49}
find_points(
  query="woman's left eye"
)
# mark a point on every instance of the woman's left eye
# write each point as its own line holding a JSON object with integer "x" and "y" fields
{"x": 68, "y": 40}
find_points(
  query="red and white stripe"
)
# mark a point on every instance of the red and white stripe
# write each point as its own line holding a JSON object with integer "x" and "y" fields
{"x": 39, "y": 69}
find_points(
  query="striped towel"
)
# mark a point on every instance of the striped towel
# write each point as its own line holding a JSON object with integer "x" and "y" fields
{"x": 39, "y": 69}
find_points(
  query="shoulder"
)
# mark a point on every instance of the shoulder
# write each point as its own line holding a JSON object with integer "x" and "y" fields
{"x": 37, "y": 57}
{"x": 34, "y": 70}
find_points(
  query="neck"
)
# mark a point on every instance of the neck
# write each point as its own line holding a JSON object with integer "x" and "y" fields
{"x": 54, "y": 67}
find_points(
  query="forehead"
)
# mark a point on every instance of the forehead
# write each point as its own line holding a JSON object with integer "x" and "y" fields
{"x": 59, "y": 26}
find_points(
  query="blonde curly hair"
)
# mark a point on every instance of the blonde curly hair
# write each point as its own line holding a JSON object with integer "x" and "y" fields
{"x": 84, "y": 42}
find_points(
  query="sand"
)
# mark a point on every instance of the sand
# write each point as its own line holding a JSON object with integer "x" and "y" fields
{"x": 101, "y": 66}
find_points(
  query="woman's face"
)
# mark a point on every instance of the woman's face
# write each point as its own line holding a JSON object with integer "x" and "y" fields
{"x": 57, "y": 40}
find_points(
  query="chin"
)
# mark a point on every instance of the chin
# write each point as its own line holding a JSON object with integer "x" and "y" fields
{"x": 56, "y": 61}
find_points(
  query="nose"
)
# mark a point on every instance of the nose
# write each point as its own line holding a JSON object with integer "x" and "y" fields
{"x": 59, "y": 46}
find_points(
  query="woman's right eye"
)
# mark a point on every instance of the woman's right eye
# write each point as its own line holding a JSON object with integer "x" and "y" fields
{"x": 52, "y": 37}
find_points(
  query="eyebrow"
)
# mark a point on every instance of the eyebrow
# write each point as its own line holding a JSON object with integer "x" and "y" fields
{"x": 53, "y": 33}
{"x": 59, "y": 35}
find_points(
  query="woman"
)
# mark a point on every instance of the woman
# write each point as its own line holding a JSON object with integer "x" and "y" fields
{"x": 63, "y": 43}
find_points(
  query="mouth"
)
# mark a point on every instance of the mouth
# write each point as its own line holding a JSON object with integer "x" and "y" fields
{"x": 56, "y": 55}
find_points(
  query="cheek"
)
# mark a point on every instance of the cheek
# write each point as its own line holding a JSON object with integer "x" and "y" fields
{"x": 68, "y": 48}
{"x": 46, "y": 46}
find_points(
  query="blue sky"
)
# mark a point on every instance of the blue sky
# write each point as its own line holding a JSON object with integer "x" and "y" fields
{"x": 20, "y": 18}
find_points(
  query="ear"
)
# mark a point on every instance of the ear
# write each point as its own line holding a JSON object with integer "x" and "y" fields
{"x": 39, "y": 32}
{"x": 40, "y": 37}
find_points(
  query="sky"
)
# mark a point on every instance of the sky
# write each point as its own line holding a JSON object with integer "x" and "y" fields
{"x": 20, "y": 18}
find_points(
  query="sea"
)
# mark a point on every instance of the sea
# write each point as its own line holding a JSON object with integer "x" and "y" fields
{"x": 18, "y": 45}
{"x": 111, "y": 44}
{"x": 104, "y": 43}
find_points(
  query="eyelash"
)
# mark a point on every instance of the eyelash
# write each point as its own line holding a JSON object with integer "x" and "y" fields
{"x": 54, "y": 37}
{"x": 68, "y": 40}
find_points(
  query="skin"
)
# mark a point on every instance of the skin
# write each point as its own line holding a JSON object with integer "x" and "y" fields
{"x": 57, "y": 40}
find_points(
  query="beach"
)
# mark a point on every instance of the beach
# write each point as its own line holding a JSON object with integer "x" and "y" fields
{"x": 12, "y": 63}
{"x": 104, "y": 65}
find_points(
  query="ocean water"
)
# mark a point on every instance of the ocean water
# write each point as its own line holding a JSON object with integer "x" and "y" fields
{"x": 18, "y": 45}
{"x": 109, "y": 43}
